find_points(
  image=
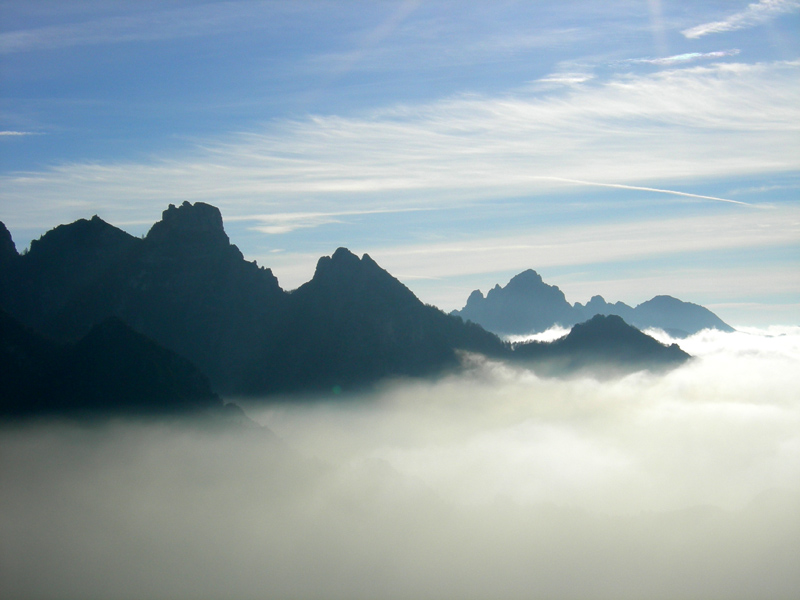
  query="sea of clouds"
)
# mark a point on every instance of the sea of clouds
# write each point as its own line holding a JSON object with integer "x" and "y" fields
{"x": 493, "y": 483}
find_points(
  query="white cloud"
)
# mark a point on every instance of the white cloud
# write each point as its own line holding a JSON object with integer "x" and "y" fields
{"x": 587, "y": 244}
{"x": 683, "y": 58}
{"x": 493, "y": 484}
{"x": 278, "y": 223}
{"x": 755, "y": 14}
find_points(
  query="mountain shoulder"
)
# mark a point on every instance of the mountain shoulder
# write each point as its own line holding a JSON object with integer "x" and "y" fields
{"x": 111, "y": 371}
{"x": 605, "y": 346}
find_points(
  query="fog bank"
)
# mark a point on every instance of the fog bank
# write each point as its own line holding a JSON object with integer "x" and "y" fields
{"x": 492, "y": 484}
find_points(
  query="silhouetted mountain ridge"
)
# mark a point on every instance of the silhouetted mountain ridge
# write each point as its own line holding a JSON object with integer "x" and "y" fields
{"x": 187, "y": 288}
{"x": 604, "y": 345}
{"x": 526, "y": 299}
{"x": 112, "y": 370}
{"x": 528, "y": 305}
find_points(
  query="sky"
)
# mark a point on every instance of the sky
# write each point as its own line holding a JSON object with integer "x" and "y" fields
{"x": 623, "y": 148}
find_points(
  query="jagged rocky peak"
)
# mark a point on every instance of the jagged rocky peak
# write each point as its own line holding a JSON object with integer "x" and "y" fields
{"x": 527, "y": 280}
{"x": 344, "y": 263}
{"x": 475, "y": 298}
{"x": 346, "y": 275}
{"x": 528, "y": 284}
{"x": 339, "y": 262}
{"x": 342, "y": 258}
{"x": 596, "y": 305}
{"x": 8, "y": 251}
{"x": 189, "y": 223}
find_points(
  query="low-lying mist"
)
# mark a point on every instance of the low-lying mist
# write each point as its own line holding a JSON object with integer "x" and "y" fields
{"x": 491, "y": 484}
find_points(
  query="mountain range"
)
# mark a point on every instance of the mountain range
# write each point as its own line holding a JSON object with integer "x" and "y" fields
{"x": 184, "y": 289}
{"x": 529, "y": 305}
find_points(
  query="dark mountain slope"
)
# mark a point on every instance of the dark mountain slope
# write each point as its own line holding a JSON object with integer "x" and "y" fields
{"x": 193, "y": 291}
{"x": 189, "y": 289}
{"x": 59, "y": 266}
{"x": 113, "y": 370}
{"x": 605, "y": 346}
{"x": 354, "y": 323}
{"x": 184, "y": 286}
{"x": 8, "y": 251}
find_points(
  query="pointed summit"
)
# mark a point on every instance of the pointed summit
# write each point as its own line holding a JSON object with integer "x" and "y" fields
{"x": 525, "y": 281}
{"x": 61, "y": 263}
{"x": 354, "y": 322}
{"x": 474, "y": 300}
{"x": 346, "y": 276}
{"x": 526, "y": 305}
{"x": 91, "y": 237}
{"x": 339, "y": 263}
{"x": 194, "y": 224}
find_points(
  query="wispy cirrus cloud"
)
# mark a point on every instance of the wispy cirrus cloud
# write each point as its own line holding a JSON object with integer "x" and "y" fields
{"x": 678, "y": 125}
{"x": 282, "y": 222}
{"x": 678, "y": 59}
{"x": 479, "y": 257}
{"x": 755, "y": 14}
{"x": 583, "y": 244}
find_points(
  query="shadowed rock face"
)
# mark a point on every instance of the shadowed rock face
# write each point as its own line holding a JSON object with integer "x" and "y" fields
{"x": 528, "y": 305}
{"x": 60, "y": 266}
{"x": 8, "y": 251}
{"x": 354, "y": 322}
{"x": 604, "y": 346}
{"x": 183, "y": 285}
{"x": 113, "y": 370}
{"x": 189, "y": 228}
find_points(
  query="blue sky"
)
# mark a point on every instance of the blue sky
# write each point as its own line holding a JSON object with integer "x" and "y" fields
{"x": 623, "y": 148}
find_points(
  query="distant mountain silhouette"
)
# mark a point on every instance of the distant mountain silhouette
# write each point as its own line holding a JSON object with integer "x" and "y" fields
{"x": 525, "y": 302}
{"x": 528, "y": 305}
{"x": 187, "y": 288}
{"x": 676, "y": 317}
{"x": 604, "y": 346}
{"x": 112, "y": 370}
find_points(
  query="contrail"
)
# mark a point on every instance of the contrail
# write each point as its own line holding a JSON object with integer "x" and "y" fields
{"x": 642, "y": 189}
